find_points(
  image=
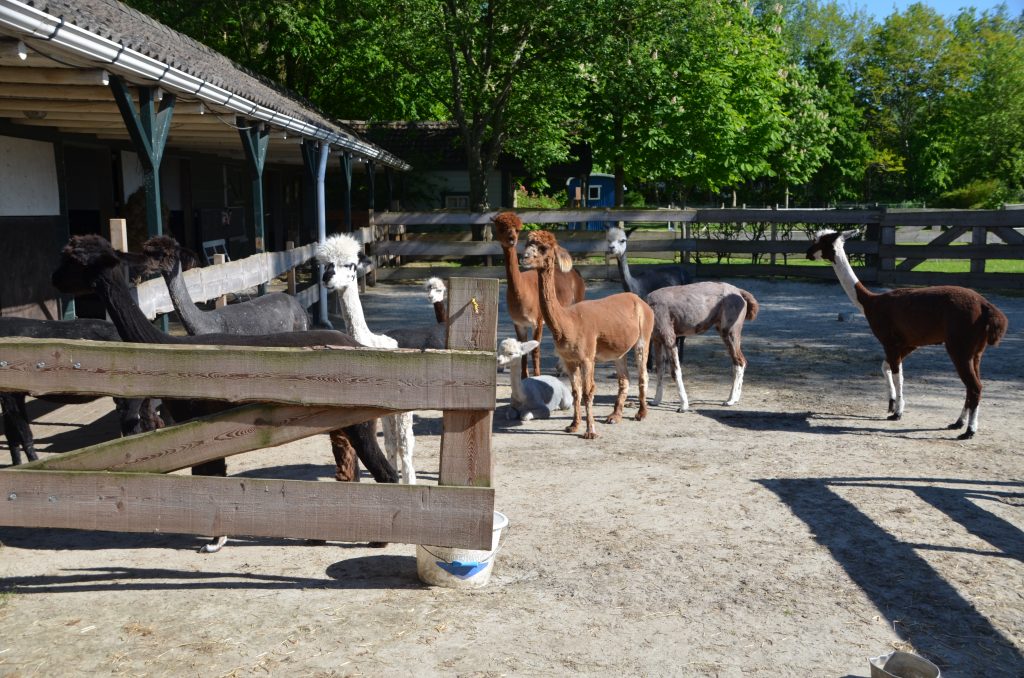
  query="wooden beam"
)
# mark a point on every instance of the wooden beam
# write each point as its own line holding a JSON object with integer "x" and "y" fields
{"x": 55, "y": 76}
{"x": 235, "y": 431}
{"x": 459, "y": 517}
{"x": 354, "y": 377}
{"x": 95, "y": 92}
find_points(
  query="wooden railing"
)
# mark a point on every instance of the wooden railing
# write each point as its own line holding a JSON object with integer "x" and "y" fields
{"x": 283, "y": 395}
{"x": 700, "y": 239}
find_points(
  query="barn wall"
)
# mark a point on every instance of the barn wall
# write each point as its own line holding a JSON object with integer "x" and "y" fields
{"x": 29, "y": 254}
{"x": 28, "y": 178}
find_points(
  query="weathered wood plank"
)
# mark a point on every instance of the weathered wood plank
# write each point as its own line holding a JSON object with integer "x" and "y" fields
{"x": 361, "y": 377}
{"x": 966, "y": 218}
{"x": 466, "y": 456}
{"x": 241, "y": 429}
{"x": 921, "y": 252}
{"x": 298, "y": 509}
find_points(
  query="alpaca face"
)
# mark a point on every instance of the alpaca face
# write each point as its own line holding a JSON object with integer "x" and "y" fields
{"x": 538, "y": 255}
{"x": 82, "y": 261}
{"x": 823, "y": 246}
{"x": 616, "y": 238}
{"x": 506, "y": 227}
{"x": 343, "y": 259}
{"x": 512, "y": 348}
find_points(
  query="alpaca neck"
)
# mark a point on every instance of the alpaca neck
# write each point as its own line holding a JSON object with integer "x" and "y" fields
{"x": 628, "y": 282}
{"x": 195, "y": 320}
{"x": 124, "y": 312}
{"x": 515, "y": 280}
{"x": 440, "y": 313}
{"x": 848, "y": 279}
{"x": 516, "y": 380}
{"x": 355, "y": 321}
{"x": 554, "y": 314}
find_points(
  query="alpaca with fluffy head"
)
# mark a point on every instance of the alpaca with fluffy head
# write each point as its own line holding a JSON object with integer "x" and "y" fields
{"x": 591, "y": 331}
{"x": 534, "y": 396}
{"x": 907, "y": 318}
{"x": 343, "y": 259}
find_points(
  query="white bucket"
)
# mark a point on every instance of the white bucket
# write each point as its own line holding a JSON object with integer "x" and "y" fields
{"x": 460, "y": 568}
{"x": 902, "y": 665}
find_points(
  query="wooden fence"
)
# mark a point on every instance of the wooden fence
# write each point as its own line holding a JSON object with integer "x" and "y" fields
{"x": 700, "y": 239}
{"x": 283, "y": 395}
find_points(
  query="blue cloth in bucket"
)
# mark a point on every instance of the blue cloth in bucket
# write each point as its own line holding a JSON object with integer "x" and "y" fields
{"x": 460, "y": 569}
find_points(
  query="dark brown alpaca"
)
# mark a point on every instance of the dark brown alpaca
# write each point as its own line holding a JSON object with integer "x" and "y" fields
{"x": 522, "y": 293}
{"x": 905, "y": 319}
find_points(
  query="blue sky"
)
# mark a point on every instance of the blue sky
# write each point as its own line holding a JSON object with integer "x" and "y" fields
{"x": 883, "y": 8}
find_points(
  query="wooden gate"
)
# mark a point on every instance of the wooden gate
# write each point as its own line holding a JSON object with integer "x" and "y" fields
{"x": 284, "y": 395}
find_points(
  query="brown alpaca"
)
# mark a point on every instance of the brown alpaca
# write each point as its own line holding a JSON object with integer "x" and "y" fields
{"x": 591, "y": 331}
{"x": 905, "y": 319}
{"x": 522, "y": 291}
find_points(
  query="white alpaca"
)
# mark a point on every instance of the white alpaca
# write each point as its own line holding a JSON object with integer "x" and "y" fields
{"x": 344, "y": 260}
{"x": 533, "y": 396}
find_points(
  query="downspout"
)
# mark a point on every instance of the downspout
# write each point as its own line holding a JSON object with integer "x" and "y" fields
{"x": 321, "y": 227}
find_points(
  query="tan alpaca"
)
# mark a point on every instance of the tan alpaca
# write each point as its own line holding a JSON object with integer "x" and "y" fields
{"x": 591, "y": 331}
{"x": 522, "y": 291}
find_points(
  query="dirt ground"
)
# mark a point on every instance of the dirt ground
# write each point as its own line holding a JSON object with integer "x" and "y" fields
{"x": 794, "y": 534}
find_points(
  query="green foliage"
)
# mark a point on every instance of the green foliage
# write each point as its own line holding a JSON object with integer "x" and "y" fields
{"x": 978, "y": 194}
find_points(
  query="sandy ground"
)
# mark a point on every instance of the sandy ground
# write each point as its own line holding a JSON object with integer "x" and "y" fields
{"x": 794, "y": 534}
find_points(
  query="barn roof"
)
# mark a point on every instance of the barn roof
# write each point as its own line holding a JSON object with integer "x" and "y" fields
{"x": 53, "y": 63}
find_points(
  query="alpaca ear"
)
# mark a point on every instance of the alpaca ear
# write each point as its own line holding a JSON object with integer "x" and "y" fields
{"x": 564, "y": 259}
{"x": 852, "y": 233}
{"x": 530, "y": 345}
{"x": 629, "y": 231}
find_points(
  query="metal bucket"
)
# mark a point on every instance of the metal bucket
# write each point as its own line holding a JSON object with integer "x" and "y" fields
{"x": 902, "y": 665}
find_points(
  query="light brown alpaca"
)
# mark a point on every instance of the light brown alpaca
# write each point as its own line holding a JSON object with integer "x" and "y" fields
{"x": 591, "y": 331}
{"x": 522, "y": 292}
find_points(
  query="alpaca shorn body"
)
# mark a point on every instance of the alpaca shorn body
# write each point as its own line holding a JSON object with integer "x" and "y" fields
{"x": 686, "y": 310}
{"x": 908, "y": 318}
{"x": 522, "y": 292}
{"x": 89, "y": 263}
{"x": 532, "y": 397}
{"x": 591, "y": 331}
{"x": 276, "y": 312}
{"x": 135, "y": 415}
{"x": 343, "y": 259}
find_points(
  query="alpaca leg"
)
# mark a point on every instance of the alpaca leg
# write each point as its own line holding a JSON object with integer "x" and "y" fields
{"x": 893, "y": 368}
{"x": 622, "y": 377}
{"x": 538, "y": 333}
{"x": 659, "y": 357}
{"x": 16, "y": 426}
{"x": 642, "y": 350}
{"x": 364, "y": 438}
{"x": 887, "y": 372}
{"x": 523, "y": 335}
{"x": 587, "y": 381}
{"x": 346, "y": 468}
{"x": 408, "y": 444}
{"x": 677, "y": 373}
{"x": 967, "y": 368}
{"x": 391, "y": 429}
{"x": 731, "y": 338}
{"x": 577, "y": 396}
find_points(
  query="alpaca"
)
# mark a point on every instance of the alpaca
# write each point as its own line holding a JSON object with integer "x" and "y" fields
{"x": 533, "y": 396}
{"x": 344, "y": 261}
{"x": 644, "y": 282}
{"x": 435, "y": 292}
{"x": 905, "y": 319}
{"x": 277, "y": 312}
{"x": 686, "y": 310}
{"x": 134, "y": 415}
{"x": 522, "y": 291}
{"x": 591, "y": 331}
{"x": 89, "y": 264}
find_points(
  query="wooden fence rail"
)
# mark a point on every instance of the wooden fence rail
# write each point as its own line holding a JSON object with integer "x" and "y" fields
{"x": 701, "y": 238}
{"x": 120, "y": 485}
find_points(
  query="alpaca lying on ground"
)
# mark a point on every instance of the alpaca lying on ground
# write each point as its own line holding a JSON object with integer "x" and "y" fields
{"x": 89, "y": 264}
{"x": 344, "y": 261}
{"x": 534, "y": 396}
{"x": 276, "y": 312}
{"x": 905, "y": 319}
{"x": 523, "y": 289}
{"x": 685, "y": 310}
{"x": 591, "y": 331}
{"x": 134, "y": 415}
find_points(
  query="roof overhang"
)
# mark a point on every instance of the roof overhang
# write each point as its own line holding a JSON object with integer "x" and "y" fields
{"x": 54, "y": 73}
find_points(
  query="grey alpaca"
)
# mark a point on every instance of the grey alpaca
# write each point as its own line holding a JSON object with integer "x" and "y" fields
{"x": 534, "y": 396}
{"x": 268, "y": 314}
{"x": 686, "y": 310}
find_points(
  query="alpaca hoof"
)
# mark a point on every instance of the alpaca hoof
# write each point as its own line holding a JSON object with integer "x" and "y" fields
{"x": 589, "y": 435}
{"x": 966, "y": 435}
{"x": 683, "y": 408}
{"x": 214, "y": 545}
{"x": 640, "y": 416}
{"x": 894, "y": 417}
{"x": 892, "y": 406}
{"x": 572, "y": 428}
{"x": 959, "y": 423}
{"x": 730, "y": 403}
{"x": 528, "y": 416}
{"x": 613, "y": 419}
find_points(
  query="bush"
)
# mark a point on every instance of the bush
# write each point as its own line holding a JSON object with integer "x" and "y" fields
{"x": 979, "y": 194}
{"x": 525, "y": 199}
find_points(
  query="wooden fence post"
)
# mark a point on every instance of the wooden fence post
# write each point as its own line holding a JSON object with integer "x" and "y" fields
{"x": 466, "y": 457}
{"x": 979, "y": 236}
{"x": 886, "y": 236}
{"x": 119, "y": 235}
{"x": 222, "y": 300}
{"x": 290, "y": 276}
